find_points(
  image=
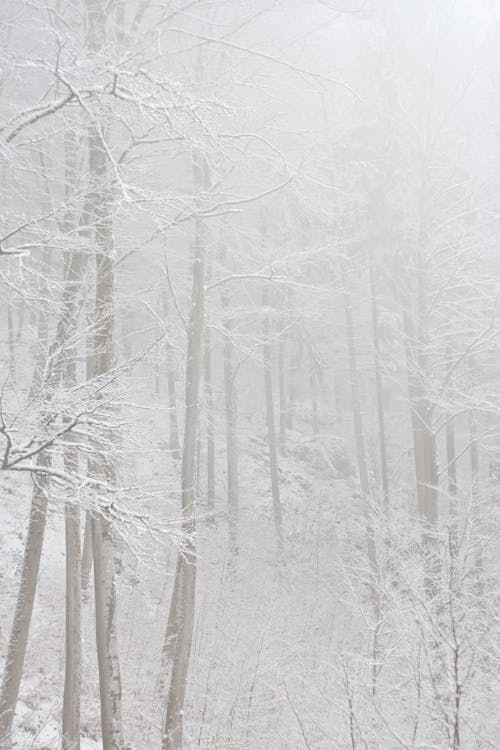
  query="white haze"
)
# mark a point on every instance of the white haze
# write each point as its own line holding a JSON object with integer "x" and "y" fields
{"x": 250, "y": 374}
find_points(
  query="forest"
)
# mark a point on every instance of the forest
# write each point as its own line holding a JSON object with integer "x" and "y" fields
{"x": 249, "y": 374}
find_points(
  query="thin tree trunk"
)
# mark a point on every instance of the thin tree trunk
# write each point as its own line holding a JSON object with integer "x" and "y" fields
{"x": 424, "y": 448}
{"x": 86, "y": 564}
{"x": 271, "y": 429}
{"x": 102, "y": 465}
{"x": 107, "y": 646}
{"x": 378, "y": 386}
{"x": 292, "y": 392}
{"x": 282, "y": 393}
{"x": 313, "y": 383}
{"x": 174, "y": 446}
{"x": 18, "y": 641}
{"x": 210, "y": 423}
{"x": 14, "y": 663}
{"x": 72, "y": 674}
{"x": 231, "y": 429}
{"x": 452, "y": 481}
{"x": 474, "y": 475}
{"x": 182, "y": 605}
{"x": 75, "y": 271}
{"x": 12, "y": 343}
{"x": 361, "y": 456}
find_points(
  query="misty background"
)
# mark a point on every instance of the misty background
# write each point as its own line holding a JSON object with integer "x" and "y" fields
{"x": 250, "y": 374}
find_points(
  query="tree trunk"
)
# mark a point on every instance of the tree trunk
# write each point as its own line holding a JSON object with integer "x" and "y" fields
{"x": 424, "y": 447}
{"x": 182, "y": 605}
{"x": 361, "y": 457}
{"x": 107, "y": 646}
{"x": 12, "y": 343}
{"x": 18, "y": 641}
{"x": 452, "y": 481}
{"x": 174, "y": 446}
{"x": 378, "y": 386}
{"x": 86, "y": 564}
{"x": 271, "y": 429}
{"x": 72, "y": 674}
{"x": 292, "y": 391}
{"x": 12, "y": 674}
{"x": 102, "y": 464}
{"x": 75, "y": 271}
{"x": 313, "y": 383}
{"x": 231, "y": 429}
{"x": 282, "y": 393}
{"x": 210, "y": 423}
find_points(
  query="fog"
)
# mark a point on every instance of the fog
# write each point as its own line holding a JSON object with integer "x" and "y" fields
{"x": 249, "y": 374}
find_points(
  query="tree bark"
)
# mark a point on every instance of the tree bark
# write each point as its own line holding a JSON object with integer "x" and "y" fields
{"x": 34, "y": 541}
{"x": 18, "y": 641}
{"x": 86, "y": 564}
{"x": 182, "y": 605}
{"x": 75, "y": 272}
{"x": 72, "y": 674}
{"x": 102, "y": 464}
